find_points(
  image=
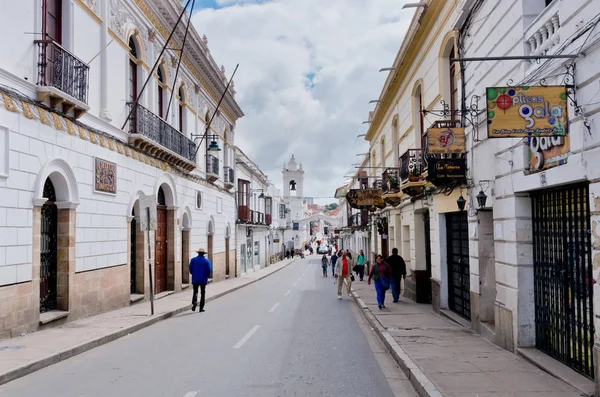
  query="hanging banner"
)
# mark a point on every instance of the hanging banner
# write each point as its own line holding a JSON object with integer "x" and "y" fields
{"x": 443, "y": 171}
{"x": 365, "y": 198}
{"x": 548, "y": 152}
{"x": 520, "y": 112}
{"x": 445, "y": 140}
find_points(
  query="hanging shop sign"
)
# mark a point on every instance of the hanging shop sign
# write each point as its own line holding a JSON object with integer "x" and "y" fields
{"x": 341, "y": 191}
{"x": 520, "y": 112}
{"x": 444, "y": 171}
{"x": 548, "y": 152}
{"x": 365, "y": 198}
{"x": 296, "y": 226}
{"x": 445, "y": 140}
{"x": 106, "y": 176}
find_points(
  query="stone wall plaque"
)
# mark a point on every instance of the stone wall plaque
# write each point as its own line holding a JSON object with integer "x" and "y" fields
{"x": 106, "y": 176}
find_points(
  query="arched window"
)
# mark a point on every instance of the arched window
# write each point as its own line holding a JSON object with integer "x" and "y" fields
{"x": 133, "y": 70}
{"x": 448, "y": 81}
{"x": 181, "y": 99}
{"x": 161, "y": 92}
{"x": 382, "y": 149}
{"x": 418, "y": 122}
{"x": 395, "y": 141}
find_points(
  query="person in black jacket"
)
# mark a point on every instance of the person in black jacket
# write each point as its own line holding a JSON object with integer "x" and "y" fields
{"x": 398, "y": 273}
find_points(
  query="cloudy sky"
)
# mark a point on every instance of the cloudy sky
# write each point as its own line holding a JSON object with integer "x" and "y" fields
{"x": 308, "y": 69}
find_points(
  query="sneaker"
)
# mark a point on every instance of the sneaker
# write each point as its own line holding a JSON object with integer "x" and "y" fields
{"x": 380, "y": 307}
{"x": 339, "y": 296}
{"x": 194, "y": 307}
{"x": 201, "y": 310}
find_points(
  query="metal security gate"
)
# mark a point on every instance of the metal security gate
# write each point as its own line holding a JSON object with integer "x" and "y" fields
{"x": 563, "y": 282}
{"x": 459, "y": 290}
{"x": 48, "y": 250}
{"x": 133, "y": 254}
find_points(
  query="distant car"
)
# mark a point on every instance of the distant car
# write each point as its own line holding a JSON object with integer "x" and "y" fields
{"x": 322, "y": 250}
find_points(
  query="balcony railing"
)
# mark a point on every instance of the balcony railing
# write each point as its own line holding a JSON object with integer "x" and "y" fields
{"x": 391, "y": 180}
{"x": 228, "y": 176}
{"x": 359, "y": 219}
{"x": 212, "y": 167}
{"x": 62, "y": 70}
{"x": 155, "y": 136}
{"x": 413, "y": 166}
{"x": 543, "y": 35}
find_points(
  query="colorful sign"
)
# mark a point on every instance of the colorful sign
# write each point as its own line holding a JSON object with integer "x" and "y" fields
{"x": 365, "y": 198}
{"x": 520, "y": 112}
{"x": 548, "y": 152}
{"x": 106, "y": 176}
{"x": 444, "y": 171}
{"x": 445, "y": 140}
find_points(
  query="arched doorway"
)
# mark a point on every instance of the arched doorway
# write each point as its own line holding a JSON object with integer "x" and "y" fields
{"x": 185, "y": 248}
{"x": 227, "y": 269}
{"x": 160, "y": 263}
{"x": 209, "y": 243}
{"x": 132, "y": 253}
{"x": 49, "y": 250}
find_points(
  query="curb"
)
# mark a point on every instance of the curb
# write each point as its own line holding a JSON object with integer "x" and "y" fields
{"x": 82, "y": 348}
{"x": 422, "y": 384}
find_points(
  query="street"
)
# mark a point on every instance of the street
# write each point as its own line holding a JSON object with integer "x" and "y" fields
{"x": 286, "y": 335}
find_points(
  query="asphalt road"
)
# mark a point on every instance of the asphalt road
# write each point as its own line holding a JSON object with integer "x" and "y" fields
{"x": 286, "y": 335}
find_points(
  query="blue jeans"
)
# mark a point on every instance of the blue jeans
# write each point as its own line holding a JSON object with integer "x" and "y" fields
{"x": 380, "y": 292}
{"x": 333, "y": 269}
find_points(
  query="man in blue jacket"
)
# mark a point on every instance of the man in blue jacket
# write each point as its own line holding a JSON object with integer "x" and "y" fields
{"x": 200, "y": 268}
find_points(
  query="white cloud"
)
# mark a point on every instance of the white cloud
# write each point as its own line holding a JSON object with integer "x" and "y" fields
{"x": 307, "y": 71}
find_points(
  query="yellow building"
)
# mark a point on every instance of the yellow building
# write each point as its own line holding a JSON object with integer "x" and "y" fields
{"x": 422, "y": 218}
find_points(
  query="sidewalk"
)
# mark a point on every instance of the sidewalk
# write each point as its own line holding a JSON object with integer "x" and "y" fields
{"x": 442, "y": 358}
{"x": 21, "y": 356}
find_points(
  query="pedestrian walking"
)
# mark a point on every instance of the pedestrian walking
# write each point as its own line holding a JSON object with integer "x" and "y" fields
{"x": 398, "y": 266}
{"x": 324, "y": 264}
{"x": 360, "y": 265}
{"x": 200, "y": 268}
{"x": 381, "y": 273}
{"x": 287, "y": 254}
{"x": 293, "y": 252}
{"x": 334, "y": 258}
{"x": 342, "y": 272}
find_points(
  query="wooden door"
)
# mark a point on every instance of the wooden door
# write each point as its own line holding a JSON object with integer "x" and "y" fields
{"x": 384, "y": 246}
{"x": 52, "y": 20}
{"x": 160, "y": 268}
{"x": 210, "y": 253}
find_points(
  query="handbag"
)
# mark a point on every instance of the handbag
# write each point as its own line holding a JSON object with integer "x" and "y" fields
{"x": 352, "y": 277}
{"x": 355, "y": 268}
{"x": 385, "y": 283}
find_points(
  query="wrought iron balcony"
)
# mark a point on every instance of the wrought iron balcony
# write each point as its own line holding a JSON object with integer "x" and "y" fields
{"x": 359, "y": 219}
{"x": 62, "y": 78}
{"x": 154, "y": 136}
{"x": 228, "y": 177}
{"x": 391, "y": 180}
{"x": 212, "y": 167}
{"x": 413, "y": 166}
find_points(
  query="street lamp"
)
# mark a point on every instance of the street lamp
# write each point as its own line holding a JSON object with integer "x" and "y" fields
{"x": 375, "y": 101}
{"x": 481, "y": 199}
{"x": 386, "y": 69}
{"x": 461, "y": 203}
{"x": 367, "y": 122}
{"x": 415, "y": 5}
{"x": 262, "y": 193}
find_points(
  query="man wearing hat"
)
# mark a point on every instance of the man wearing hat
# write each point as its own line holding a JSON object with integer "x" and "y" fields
{"x": 200, "y": 268}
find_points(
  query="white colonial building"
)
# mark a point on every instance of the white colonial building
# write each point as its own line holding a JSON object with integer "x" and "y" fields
{"x": 534, "y": 248}
{"x": 83, "y": 138}
{"x": 254, "y": 215}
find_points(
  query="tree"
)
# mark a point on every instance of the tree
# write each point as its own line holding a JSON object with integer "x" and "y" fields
{"x": 331, "y": 207}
